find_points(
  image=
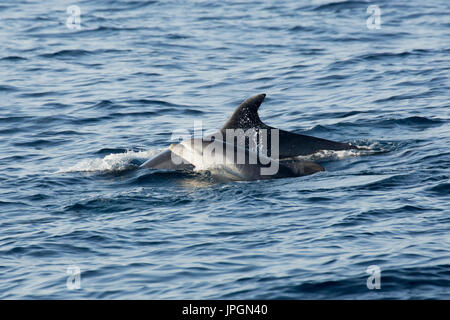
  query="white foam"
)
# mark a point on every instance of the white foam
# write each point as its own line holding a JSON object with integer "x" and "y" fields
{"x": 111, "y": 162}
{"x": 328, "y": 155}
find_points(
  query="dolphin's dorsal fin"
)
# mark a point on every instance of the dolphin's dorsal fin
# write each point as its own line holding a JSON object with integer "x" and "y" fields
{"x": 246, "y": 115}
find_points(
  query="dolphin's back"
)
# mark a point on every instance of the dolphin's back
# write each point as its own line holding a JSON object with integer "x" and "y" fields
{"x": 290, "y": 144}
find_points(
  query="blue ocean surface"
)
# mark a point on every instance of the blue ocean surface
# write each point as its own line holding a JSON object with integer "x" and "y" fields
{"x": 84, "y": 102}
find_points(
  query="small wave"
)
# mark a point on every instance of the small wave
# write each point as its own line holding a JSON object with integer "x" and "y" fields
{"x": 69, "y": 53}
{"x": 301, "y": 28}
{"x": 134, "y": 114}
{"x": 6, "y": 88}
{"x": 40, "y": 143}
{"x": 104, "y": 29}
{"x": 369, "y": 57}
{"x": 334, "y": 77}
{"x": 412, "y": 121}
{"x": 342, "y": 114}
{"x": 442, "y": 188}
{"x": 126, "y": 6}
{"x": 377, "y": 214}
{"x": 40, "y": 94}
{"x": 13, "y": 58}
{"x": 385, "y": 55}
{"x": 66, "y": 53}
{"x": 404, "y": 97}
{"x": 53, "y": 133}
{"x": 390, "y": 182}
{"x": 113, "y": 162}
{"x": 103, "y": 104}
{"x": 341, "y": 5}
{"x": 176, "y": 36}
{"x": 151, "y": 102}
{"x": 12, "y": 203}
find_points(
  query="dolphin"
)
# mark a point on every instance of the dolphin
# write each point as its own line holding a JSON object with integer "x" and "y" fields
{"x": 222, "y": 161}
{"x": 246, "y": 117}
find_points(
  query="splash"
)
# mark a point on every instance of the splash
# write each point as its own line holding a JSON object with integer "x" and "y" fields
{"x": 331, "y": 155}
{"x": 112, "y": 163}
